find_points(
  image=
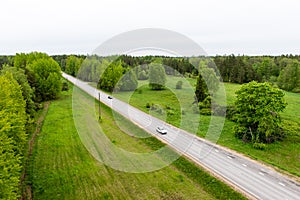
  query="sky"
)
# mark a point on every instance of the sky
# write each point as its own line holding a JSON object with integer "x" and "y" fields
{"x": 245, "y": 27}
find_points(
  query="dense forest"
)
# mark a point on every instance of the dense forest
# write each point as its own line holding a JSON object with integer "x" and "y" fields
{"x": 281, "y": 71}
{"x": 26, "y": 81}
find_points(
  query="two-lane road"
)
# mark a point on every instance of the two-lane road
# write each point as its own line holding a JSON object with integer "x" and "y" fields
{"x": 256, "y": 180}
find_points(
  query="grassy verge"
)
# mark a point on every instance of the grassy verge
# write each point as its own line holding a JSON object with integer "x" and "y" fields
{"x": 63, "y": 169}
{"x": 283, "y": 154}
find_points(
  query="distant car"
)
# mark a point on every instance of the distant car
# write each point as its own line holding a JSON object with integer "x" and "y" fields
{"x": 161, "y": 130}
{"x": 110, "y": 97}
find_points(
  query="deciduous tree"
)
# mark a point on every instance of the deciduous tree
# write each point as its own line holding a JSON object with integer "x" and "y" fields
{"x": 257, "y": 107}
{"x": 157, "y": 76}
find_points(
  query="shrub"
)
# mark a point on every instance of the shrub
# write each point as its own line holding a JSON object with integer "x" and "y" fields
{"x": 179, "y": 85}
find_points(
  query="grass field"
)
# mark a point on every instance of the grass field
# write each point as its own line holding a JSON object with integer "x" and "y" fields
{"x": 284, "y": 154}
{"x": 61, "y": 167}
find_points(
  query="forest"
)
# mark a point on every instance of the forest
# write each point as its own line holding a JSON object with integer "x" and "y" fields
{"x": 281, "y": 71}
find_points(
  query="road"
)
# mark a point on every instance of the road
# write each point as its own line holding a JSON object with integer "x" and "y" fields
{"x": 254, "y": 179}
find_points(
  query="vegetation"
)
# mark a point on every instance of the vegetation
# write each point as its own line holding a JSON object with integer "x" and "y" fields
{"x": 157, "y": 76}
{"x": 12, "y": 135}
{"x": 201, "y": 91}
{"x": 128, "y": 82}
{"x": 25, "y": 80}
{"x": 257, "y": 113}
{"x": 62, "y": 167}
{"x": 27, "y": 92}
{"x": 282, "y": 154}
{"x": 289, "y": 77}
{"x": 179, "y": 85}
{"x": 73, "y": 64}
{"x": 111, "y": 76}
{"x": 47, "y": 78}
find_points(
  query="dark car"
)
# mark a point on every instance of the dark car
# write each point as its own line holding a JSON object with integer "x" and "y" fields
{"x": 110, "y": 97}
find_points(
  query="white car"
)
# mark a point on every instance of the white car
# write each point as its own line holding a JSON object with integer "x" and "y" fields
{"x": 161, "y": 130}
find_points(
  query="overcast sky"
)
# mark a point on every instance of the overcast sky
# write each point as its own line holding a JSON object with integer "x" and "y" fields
{"x": 251, "y": 27}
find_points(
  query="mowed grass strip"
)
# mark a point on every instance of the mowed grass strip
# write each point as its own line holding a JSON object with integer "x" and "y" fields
{"x": 282, "y": 154}
{"x": 63, "y": 169}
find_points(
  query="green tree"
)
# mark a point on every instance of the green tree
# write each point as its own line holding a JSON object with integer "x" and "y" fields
{"x": 128, "y": 82}
{"x": 289, "y": 78}
{"x": 110, "y": 77}
{"x": 22, "y": 60}
{"x": 72, "y": 65}
{"x": 266, "y": 69}
{"x": 91, "y": 68}
{"x": 142, "y": 75}
{"x": 12, "y": 107}
{"x": 27, "y": 92}
{"x": 179, "y": 85}
{"x": 257, "y": 107}
{"x": 201, "y": 91}
{"x": 47, "y": 76}
{"x": 10, "y": 167}
{"x": 157, "y": 76}
{"x": 12, "y": 135}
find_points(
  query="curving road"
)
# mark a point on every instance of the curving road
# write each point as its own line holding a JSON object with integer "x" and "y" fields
{"x": 257, "y": 181}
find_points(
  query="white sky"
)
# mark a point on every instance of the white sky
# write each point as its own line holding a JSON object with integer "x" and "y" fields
{"x": 251, "y": 27}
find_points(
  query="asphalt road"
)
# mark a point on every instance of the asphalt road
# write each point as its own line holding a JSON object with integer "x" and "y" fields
{"x": 256, "y": 180}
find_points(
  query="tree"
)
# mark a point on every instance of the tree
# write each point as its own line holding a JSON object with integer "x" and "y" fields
{"x": 111, "y": 76}
{"x": 257, "y": 107}
{"x": 12, "y": 135}
{"x": 72, "y": 65}
{"x": 142, "y": 75}
{"x": 47, "y": 76}
{"x": 289, "y": 78}
{"x": 179, "y": 85}
{"x": 266, "y": 69}
{"x": 27, "y": 92}
{"x": 157, "y": 76}
{"x": 10, "y": 169}
{"x": 201, "y": 91}
{"x": 128, "y": 82}
{"x": 91, "y": 68}
{"x": 22, "y": 60}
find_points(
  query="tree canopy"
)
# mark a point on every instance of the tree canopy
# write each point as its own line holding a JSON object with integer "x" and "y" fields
{"x": 12, "y": 135}
{"x": 157, "y": 76}
{"x": 257, "y": 112}
{"x": 289, "y": 78}
{"x": 47, "y": 77}
{"x": 111, "y": 76}
{"x": 128, "y": 82}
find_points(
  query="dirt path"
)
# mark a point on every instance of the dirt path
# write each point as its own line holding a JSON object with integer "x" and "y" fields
{"x": 27, "y": 191}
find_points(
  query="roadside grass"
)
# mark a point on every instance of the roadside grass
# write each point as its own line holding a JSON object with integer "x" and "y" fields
{"x": 62, "y": 168}
{"x": 282, "y": 154}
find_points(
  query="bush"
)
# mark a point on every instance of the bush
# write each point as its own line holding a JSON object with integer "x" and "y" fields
{"x": 65, "y": 86}
{"x": 205, "y": 111}
{"x": 219, "y": 110}
{"x": 259, "y": 145}
{"x": 179, "y": 85}
{"x": 148, "y": 105}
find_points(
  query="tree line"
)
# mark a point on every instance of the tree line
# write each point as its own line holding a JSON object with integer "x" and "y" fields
{"x": 26, "y": 80}
{"x": 281, "y": 71}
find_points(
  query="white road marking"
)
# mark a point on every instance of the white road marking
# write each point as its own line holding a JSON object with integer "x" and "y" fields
{"x": 281, "y": 184}
{"x": 261, "y": 173}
